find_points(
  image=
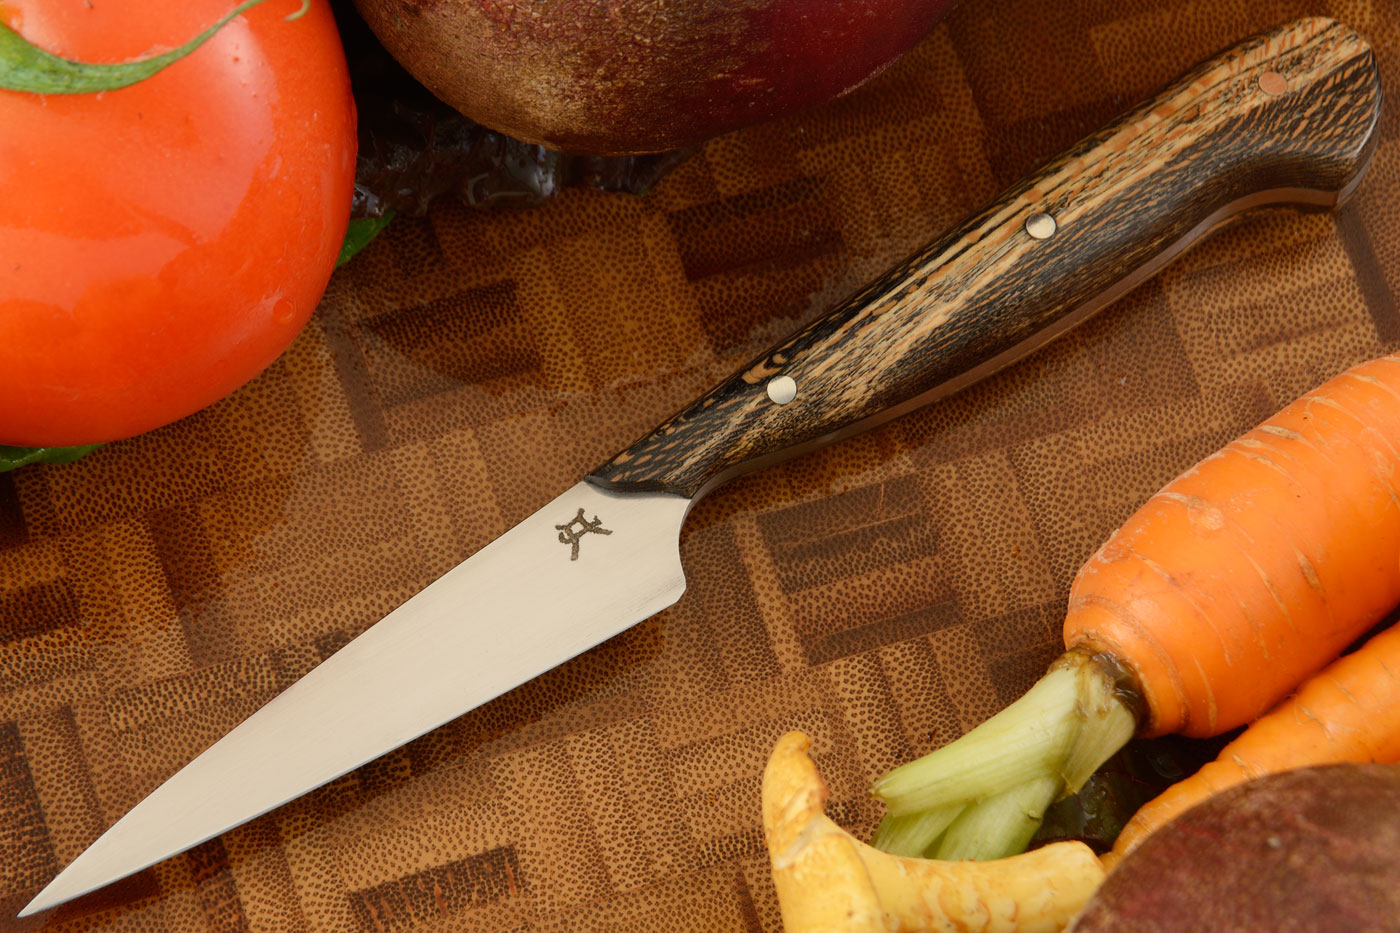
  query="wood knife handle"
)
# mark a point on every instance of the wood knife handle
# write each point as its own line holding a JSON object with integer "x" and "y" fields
{"x": 1288, "y": 117}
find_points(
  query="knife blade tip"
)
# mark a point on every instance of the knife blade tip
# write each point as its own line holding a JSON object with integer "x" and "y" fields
{"x": 46, "y": 899}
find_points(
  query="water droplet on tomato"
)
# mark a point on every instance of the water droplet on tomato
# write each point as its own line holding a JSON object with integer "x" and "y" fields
{"x": 284, "y": 311}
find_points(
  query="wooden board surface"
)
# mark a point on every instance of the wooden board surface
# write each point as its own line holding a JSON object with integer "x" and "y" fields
{"x": 883, "y": 595}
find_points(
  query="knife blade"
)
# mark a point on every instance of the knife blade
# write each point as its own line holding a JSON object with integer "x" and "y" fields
{"x": 1286, "y": 118}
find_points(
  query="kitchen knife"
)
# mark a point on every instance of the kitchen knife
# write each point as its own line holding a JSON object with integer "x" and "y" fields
{"x": 1285, "y": 118}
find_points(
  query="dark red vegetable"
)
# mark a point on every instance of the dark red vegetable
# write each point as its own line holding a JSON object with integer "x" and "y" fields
{"x": 414, "y": 149}
{"x": 1315, "y": 849}
{"x": 630, "y": 76}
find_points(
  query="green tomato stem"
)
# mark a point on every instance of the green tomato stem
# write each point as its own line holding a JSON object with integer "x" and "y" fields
{"x": 359, "y": 233}
{"x": 12, "y": 458}
{"x": 25, "y": 67}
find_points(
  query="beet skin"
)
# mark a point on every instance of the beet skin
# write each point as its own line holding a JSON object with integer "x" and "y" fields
{"x": 1315, "y": 849}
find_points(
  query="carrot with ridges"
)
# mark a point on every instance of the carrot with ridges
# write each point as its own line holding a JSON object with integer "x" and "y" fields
{"x": 1350, "y": 711}
{"x": 1257, "y": 566}
{"x": 1229, "y": 587}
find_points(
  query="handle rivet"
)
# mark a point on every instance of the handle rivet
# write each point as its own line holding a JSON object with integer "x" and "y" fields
{"x": 1273, "y": 83}
{"x": 1041, "y": 225}
{"x": 782, "y": 389}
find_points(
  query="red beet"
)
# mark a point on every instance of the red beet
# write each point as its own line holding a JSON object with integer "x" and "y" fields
{"x": 1315, "y": 849}
{"x": 633, "y": 76}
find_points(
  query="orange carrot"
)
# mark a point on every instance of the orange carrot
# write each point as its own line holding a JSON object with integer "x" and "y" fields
{"x": 1350, "y": 711}
{"x": 1257, "y": 566}
{"x": 1229, "y": 587}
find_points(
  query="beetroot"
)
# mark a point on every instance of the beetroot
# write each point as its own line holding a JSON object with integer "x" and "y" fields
{"x": 1313, "y": 849}
{"x": 631, "y": 76}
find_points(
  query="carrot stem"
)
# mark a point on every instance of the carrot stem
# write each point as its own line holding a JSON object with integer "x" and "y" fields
{"x": 914, "y": 835}
{"x": 1002, "y": 775}
{"x": 1001, "y": 825}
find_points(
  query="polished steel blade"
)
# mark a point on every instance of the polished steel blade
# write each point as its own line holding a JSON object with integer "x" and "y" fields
{"x": 533, "y": 598}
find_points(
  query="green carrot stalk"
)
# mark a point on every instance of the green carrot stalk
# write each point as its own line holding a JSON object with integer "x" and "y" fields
{"x": 983, "y": 795}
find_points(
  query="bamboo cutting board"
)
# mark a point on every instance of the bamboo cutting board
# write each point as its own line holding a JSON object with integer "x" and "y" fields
{"x": 883, "y": 595}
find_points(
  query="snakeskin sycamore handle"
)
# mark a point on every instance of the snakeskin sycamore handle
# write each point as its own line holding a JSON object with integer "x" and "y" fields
{"x": 1284, "y": 118}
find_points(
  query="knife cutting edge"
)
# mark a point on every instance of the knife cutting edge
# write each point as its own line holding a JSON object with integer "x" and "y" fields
{"x": 1285, "y": 118}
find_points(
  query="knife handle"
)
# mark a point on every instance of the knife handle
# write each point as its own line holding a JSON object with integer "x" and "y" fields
{"x": 1288, "y": 117}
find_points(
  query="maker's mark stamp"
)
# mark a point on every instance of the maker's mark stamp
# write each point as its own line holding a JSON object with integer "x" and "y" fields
{"x": 577, "y": 527}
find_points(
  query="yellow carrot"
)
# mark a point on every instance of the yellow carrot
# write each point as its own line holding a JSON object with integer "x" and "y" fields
{"x": 830, "y": 882}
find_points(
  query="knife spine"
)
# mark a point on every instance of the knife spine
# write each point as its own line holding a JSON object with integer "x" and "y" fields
{"x": 1288, "y": 117}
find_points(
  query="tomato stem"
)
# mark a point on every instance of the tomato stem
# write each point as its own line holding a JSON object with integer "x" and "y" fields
{"x": 12, "y": 458}
{"x": 358, "y": 234}
{"x": 26, "y": 67}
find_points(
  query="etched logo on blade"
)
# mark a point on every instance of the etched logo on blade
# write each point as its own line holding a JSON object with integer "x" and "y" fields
{"x": 577, "y": 527}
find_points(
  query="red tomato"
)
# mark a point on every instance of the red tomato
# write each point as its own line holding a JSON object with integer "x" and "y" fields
{"x": 160, "y": 245}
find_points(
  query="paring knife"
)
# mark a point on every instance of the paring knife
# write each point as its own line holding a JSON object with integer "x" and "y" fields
{"x": 1285, "y": 118}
